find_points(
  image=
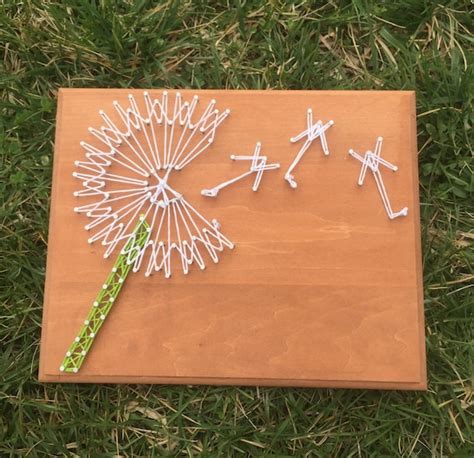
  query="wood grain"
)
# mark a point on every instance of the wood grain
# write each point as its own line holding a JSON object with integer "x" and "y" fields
{"x": 322, "y": 288}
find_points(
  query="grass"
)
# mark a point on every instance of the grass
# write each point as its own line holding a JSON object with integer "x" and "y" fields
{"x": 402, "y": 44}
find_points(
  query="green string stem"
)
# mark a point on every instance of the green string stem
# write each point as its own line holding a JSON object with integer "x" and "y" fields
{"x": 79, "y": 349}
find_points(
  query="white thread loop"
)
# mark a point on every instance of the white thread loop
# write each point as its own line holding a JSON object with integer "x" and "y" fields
{"x": 372, "y": 160}
{"x": 258, "y": 166}
{"x": 312, "y": 132}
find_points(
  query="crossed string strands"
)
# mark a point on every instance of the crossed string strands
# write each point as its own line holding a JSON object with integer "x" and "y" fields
{"x": 127, "y": 175}
{"x": 311, "y": 133}
{"x": 258, "y": 165}
{"x": 78, "y": 350}
{"x": 372, "y": 161}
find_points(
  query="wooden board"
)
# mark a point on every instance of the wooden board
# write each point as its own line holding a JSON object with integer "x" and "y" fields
{"x": 322, "y": 289}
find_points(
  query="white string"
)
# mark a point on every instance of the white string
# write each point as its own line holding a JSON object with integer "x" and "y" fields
{"x": 258, "y": 166}
{"x": 165, "y": 136}
{"x": 372, "y": 160}
{"x": 208, "y": 138}
{"x": 312, "y": 132}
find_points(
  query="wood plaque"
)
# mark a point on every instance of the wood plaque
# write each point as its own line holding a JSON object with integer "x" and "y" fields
{"x": 322, "y": 288}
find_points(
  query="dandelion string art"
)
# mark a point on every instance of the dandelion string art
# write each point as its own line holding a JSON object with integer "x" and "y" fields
{"x": 130, "y": 203}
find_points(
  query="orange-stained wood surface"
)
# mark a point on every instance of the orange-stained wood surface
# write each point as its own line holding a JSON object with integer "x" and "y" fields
{"x": 322, "y": 289}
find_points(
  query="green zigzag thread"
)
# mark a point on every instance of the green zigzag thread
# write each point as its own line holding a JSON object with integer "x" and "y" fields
{"x": 104, "y": 301}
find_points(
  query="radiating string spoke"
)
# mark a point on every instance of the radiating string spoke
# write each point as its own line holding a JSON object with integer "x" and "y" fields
{"x": 125, "y": 174}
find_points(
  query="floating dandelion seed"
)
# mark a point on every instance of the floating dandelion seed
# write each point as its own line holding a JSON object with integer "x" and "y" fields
{"x": 372, "y": 161}
{"x": 127, "y": 176}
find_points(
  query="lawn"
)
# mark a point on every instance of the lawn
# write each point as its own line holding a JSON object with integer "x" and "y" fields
{"x": 404, "y": 44}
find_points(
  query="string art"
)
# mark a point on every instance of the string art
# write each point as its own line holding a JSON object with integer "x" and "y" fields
{"x": 133, "y": 210}
{"x": 372, "y": 160}
{"x": 130, "y": 203}
{"x": 311, "y": 133}
{"x": 258, "y": 165}
{"x": 102, "y": 305}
